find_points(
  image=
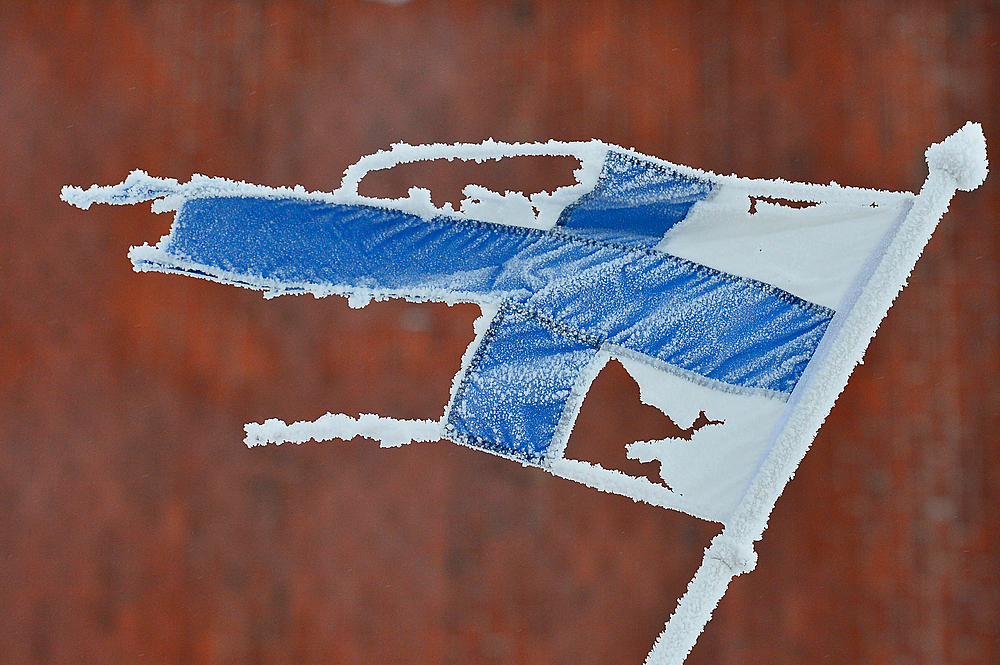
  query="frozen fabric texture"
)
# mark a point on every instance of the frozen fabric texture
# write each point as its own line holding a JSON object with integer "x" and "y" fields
{"x": 749, "y": 301}
{"x": 635, "y": 201}
{"x": 724, "y": 327}
{"x": 814, "y": 252}
{"x": 663, "y": 267}
{"x": 592, "y": 281}
{"x": 516, "y": 388}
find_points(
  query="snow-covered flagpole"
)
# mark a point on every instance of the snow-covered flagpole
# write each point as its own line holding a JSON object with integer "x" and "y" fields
{"x": 958, "y": 162}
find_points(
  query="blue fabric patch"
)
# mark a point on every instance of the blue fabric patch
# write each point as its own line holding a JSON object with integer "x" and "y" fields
{"x": 726, "y": 328}
{"x": 635, "y": 202}
{"x": 516, "y": 387}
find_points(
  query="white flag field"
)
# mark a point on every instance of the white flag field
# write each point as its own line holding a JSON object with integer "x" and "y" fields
{"x": 742, "y": 305}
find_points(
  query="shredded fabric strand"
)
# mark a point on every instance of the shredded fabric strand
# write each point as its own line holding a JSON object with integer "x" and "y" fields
{"x": 389, "y": 432}
{"x": 720, "y": 300}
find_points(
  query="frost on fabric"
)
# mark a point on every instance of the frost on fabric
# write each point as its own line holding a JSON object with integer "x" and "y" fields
{"x": 748, "y": 301}
{"x": 666, "y": 267}
{"x": 714, "y": 467}
{"x": 813, "y": 252}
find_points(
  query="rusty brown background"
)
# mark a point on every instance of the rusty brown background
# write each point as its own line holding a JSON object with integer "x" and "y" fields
{"x": 135, "y": 527}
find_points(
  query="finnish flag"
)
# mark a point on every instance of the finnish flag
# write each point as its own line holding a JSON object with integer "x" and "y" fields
{"x": 742, "y": 302}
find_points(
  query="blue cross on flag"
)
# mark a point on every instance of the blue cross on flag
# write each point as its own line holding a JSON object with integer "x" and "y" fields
{"x": 746, "y": 300}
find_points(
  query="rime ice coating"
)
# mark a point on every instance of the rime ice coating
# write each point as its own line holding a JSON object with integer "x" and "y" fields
{"x": 748, "y": 300}
{"x": 389, "y": 432}
{"x": 962, "y": 156}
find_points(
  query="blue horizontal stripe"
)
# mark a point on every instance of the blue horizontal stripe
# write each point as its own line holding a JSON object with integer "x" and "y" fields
{"x": 720, "y": 326}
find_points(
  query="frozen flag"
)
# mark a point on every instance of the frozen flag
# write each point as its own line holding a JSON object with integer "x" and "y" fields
{"x": 715, "y": 295}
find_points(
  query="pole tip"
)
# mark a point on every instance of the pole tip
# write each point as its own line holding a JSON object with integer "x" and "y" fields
{"x": 962, "y": 156}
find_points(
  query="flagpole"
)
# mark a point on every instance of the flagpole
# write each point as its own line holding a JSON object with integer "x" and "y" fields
{"x": 958, "y": 162}
{"x": 724, "y": 559}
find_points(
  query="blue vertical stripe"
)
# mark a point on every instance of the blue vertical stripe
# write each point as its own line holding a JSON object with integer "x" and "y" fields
{"x": 634, "y": 202}
{"x": 517, "y": 386}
